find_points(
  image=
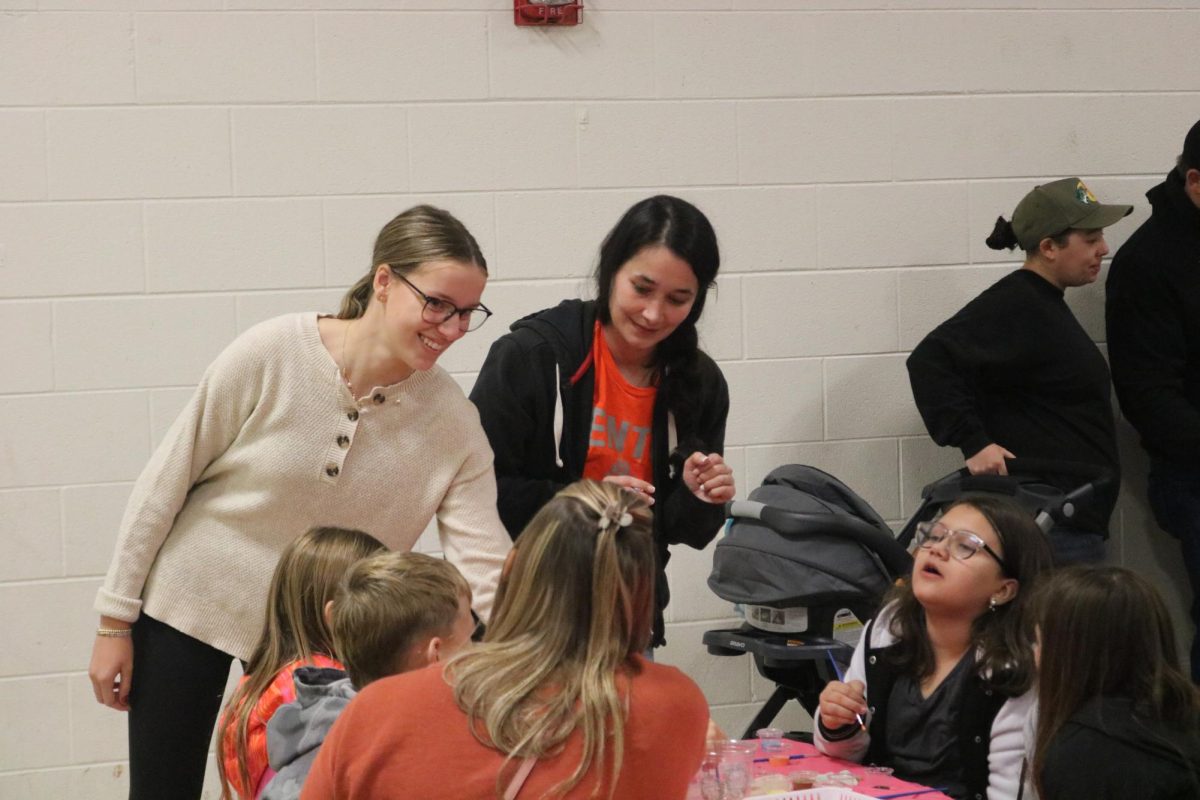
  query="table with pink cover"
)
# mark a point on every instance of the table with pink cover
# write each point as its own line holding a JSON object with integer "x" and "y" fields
{"x": 871, "y": 784}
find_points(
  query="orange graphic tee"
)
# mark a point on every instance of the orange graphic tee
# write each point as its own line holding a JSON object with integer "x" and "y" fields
{"x": 622, "y": 414}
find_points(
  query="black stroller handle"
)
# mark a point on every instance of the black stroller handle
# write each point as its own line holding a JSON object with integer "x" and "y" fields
{"x": 893, "y": 555}
{"x": 1062, "y": 510}
{"x": 1088, "y": 473}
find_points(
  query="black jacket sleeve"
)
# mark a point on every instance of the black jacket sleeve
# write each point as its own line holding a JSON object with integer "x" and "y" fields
{"x": 516, "y": 407}
{"x": 1147, "y": 349}
{"x": 945, "y": 371}
{"x": 686, "y": 518}
{"x": 945, "y": 397}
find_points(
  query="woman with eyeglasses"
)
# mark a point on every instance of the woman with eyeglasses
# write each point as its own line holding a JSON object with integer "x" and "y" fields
{"x": 617, "y": 388}
{"x": 303, "y": 420}
{"x": 938, "y": 686}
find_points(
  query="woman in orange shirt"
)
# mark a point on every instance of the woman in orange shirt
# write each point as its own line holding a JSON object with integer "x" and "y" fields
{"x": 557, "y": 697}
{"x": 617, "y": 388}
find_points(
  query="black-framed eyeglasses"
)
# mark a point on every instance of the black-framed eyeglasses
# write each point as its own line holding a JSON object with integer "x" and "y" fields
{"x": 959, "y": 544}
{"x": 437, "y": 311}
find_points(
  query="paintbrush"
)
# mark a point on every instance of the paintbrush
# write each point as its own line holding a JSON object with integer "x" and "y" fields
{"x": 837, "y": 670}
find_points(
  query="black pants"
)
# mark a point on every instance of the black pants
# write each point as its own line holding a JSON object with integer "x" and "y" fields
{"x": 1175, "y": 500}
{"x": 178, "y": 682}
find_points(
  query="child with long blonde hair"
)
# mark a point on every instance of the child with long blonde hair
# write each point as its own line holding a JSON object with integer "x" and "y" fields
{"x": 295, "y": 633}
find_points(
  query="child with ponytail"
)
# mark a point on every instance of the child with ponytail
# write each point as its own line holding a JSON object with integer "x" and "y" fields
{"x": 557, "y": 698}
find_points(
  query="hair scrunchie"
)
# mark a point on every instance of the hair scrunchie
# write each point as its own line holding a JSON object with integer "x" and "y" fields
{"x": 614, "y": 514}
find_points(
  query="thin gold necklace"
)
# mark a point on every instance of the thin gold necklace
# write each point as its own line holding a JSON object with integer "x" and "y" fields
{"x": 345, "y": 365}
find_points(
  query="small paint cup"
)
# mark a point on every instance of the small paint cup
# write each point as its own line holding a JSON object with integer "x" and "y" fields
{"x": 770, "y": 739}
{"x": 803, "y": 779}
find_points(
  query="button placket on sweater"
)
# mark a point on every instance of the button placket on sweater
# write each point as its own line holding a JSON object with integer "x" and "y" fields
{"x": 338, "y": 447}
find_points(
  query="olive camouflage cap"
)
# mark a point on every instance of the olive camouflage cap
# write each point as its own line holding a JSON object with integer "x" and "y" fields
{"x": 1058, "y": 206}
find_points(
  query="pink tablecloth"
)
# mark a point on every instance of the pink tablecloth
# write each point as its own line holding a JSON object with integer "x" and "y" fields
{"x": 872, "y": 784}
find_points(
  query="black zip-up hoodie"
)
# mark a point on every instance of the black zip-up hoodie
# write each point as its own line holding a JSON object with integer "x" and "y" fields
{"x": 535, "y": 397}
{"x": 1152, "y": 310}
{"x": 1108, "y": 752}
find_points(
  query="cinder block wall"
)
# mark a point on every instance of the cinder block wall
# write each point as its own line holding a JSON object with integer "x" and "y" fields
{"x": 173, "y": 171}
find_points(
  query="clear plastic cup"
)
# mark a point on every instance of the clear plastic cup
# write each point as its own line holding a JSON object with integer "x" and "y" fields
{"x": 803, "y": 779}
{"x": 710, "y": 776}
{"x": 737, "y": 768}
{"x": 770, "y": 739}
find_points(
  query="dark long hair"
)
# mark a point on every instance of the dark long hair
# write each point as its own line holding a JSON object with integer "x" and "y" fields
{"x": 1003, "y": 637}
{"x": 1105, "y": 632}
{"x": 685, "y": 231}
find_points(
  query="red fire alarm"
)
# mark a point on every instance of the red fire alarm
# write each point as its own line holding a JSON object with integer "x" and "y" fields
{"x": 547, "y": 12}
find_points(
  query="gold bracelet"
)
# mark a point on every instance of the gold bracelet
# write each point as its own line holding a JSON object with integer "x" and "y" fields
{"x": 114, "y": 633}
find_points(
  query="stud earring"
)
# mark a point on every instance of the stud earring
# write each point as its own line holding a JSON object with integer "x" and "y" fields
{"x": 992, "y": 605}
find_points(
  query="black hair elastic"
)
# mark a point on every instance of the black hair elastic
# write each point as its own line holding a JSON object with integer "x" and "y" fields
{"x": 1003, "y": 236}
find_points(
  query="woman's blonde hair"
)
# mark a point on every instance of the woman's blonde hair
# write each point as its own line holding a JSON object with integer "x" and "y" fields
{"x": 570, "y": 615}
{"x": 305, "y": 579}
{"x": 415, "y": 237}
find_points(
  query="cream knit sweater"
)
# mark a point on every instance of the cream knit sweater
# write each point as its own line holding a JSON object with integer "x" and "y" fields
{"x": 271, "y": 444}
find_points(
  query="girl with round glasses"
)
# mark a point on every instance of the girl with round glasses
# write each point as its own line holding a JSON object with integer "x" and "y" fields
{"x": 960, "y": 544}
{"x": 617, "y": 388}
{"x": 304, "y": 420}
{"x": 938, "y": 686}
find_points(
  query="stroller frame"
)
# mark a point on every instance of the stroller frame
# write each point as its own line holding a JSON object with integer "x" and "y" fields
{"x": 800, "y": 663}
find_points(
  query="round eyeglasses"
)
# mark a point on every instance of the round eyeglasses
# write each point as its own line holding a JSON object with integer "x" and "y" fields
{"x": 961, "y": 545}
{"x": 438, "y": 312}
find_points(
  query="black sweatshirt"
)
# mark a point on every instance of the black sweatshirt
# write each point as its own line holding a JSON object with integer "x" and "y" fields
{"x": 1108, "y": 751}
{"x": 1153, "y": 316}
{"x": 1015, "y": 368}
{"x": 541, "y": 371}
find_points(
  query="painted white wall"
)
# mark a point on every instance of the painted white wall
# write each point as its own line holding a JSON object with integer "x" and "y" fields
{"x": 172, "y": 171}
